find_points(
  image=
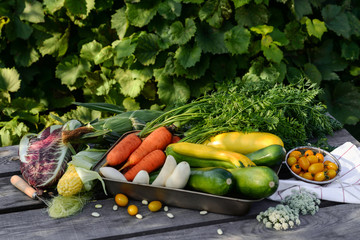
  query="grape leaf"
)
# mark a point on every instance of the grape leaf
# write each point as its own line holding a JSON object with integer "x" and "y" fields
{"x": 210, "y": 39}
{"x": 105, "y": 54}
{"x": 328, "y": 61}
{"x": 90, "y": 50}
{"x": 33, "y": 12}
{"x": 82, "y": 114}
{"x": 119, "y": 22}
{"x": 193, "y": 1}
{"x": 71, "y": 68}
{"x": 9, "y": 79}
{"x": 24, "y": 55}
{"x": 240, "y": 3}
{"x": 195, "y": 72}
{"x": 295, "y": 35}
{"x": 147, "y": 48}
{"x": 237, "y": 40}
{"x": 252, "y": 15}
{"x": 344, "y": 102}
{"x": 56, "y": 43}
{"x": 315, "y": 27}
{"x": 53, "y": 5}
{"x": 188, "y": 55}
{"x": 138, "y": 16}
{"x": 19, "y": 29}
{"x": 279, "y": 37}
{"x": 302, "y": 7}
{"x": 262, "y": 29}
{"x": 170, "y": 9}
{"x": 12, "y": 131}
{"x": 272, "y": 53}
{"x": 313, "y": 73}
{"x": 180, "y": 34}
{"x": 132, "y": 81}
{"x": 122, "y": 48}
{"x": 354, "y": 23}
{"x": 130, "y": 104}
{"x": 171, "y": 90}
{"x": 76, "y": 7}
{"x": 336, "y": 20}
{"x": 355, "y": 71}
{"x": 350, "y": 51}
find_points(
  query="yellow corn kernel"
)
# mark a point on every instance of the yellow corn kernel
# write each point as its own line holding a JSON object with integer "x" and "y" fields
{"x": 70, "y": 183}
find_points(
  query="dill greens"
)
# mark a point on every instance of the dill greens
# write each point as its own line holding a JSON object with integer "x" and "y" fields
{"x": 290, "y": 111}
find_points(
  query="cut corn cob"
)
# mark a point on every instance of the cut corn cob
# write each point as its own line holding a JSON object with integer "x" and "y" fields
{"x": 70, "y": 183}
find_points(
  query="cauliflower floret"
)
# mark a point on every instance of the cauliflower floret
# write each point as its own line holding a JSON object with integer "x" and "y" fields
{"x": 286, "y": 215}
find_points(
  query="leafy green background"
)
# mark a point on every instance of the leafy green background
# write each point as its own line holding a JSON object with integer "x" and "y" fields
{"x": 157, "y": 54}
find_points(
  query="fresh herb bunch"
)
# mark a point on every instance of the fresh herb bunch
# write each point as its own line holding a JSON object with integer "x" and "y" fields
{"x": 288, "y": 110}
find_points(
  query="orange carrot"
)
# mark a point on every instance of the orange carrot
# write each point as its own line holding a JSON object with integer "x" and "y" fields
{"x": 158, "y": 139}
{"x": 149, "y": 163}
{"x": 175, "y": 139}
{"x": 123, "y": 149}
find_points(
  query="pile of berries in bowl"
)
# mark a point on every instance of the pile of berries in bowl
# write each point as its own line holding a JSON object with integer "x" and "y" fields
{"x": 312, "y": 165}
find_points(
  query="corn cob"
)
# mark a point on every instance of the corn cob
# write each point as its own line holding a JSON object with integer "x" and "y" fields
{"x": 70, "y": 183}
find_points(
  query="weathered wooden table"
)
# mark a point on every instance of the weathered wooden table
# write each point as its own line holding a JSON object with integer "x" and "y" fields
{"x": 24, "y": 218}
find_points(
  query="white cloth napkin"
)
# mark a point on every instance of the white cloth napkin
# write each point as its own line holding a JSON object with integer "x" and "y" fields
{"x": 345, "y": 189}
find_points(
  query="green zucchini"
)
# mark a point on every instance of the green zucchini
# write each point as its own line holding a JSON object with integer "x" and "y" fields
{"x": 195, "y": 162}
{"x": 268, "y": 156}
{"x": 213, "y": 180}
{"x": 255, "y": 182}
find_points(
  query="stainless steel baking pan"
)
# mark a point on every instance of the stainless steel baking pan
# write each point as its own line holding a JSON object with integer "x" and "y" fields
{"x": 177, "y": 197}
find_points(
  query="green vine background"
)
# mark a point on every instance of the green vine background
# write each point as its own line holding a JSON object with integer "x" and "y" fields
{"x": 155, "y": 54}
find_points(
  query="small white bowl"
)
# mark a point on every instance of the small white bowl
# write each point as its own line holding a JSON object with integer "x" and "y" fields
{"x": 327, "y": 156}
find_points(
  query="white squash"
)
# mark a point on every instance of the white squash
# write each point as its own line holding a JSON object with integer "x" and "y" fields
{"x": 180, "y": 176}
{"x": 112, "y": 173}
{"x": 142, "y": 177}
{"x": 165, "y": 172}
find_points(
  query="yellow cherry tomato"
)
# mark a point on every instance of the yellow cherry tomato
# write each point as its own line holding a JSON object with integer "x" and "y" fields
{"x": 315, "y": 168}
{"x": 132, "y": 210}
{"x": 155, "y": 206}
{"x": 331, "y": 173}
{"x": 304, "y": 163}
{"x": 320, "y": 176}
{"x": 312, "y": 159}
{"x": 308, "y": 153}
{"x": 330, "y": 165}
{"x": 296, "y": 154}
{"x": 320, "y": 157}
{"x": 308, "y": 175}
{"x": 296, "y": 168}
{"x": 121, "y": 199}
{"x": 291, "y": 161}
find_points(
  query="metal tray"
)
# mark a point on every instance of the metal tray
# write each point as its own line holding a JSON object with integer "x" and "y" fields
{"x": 177, "y": 197}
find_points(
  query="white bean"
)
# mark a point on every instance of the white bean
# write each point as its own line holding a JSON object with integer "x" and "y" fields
{"x": 95, "y": 214}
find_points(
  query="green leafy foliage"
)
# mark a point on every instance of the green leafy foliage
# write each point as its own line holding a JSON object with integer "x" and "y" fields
{"x": 164, "y": 53}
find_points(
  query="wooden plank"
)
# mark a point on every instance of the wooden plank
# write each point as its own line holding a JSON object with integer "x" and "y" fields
{"x": 36, "y": 224}
{"x": 337, "y": 222}
{"x": 340, "y": 137}
{"x": 11, "y": 199}
{"x": 9, "y": 161}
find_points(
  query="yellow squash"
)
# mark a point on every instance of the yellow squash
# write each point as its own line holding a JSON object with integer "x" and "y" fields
{"x": 206, "y": 152}
{"x": 242, "y": 142}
